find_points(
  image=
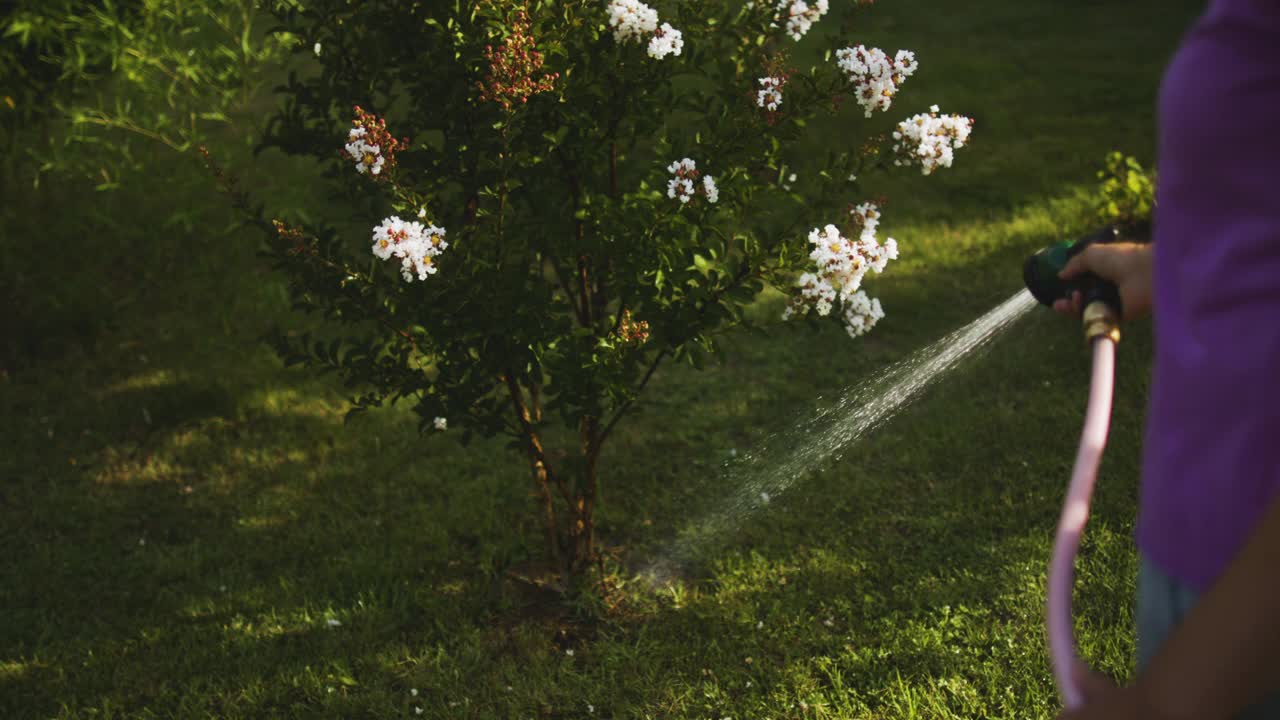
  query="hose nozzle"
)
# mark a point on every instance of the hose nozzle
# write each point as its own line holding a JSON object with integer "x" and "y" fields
{"x": 1100, "y": 320}
{"x": 1041, "y": 275}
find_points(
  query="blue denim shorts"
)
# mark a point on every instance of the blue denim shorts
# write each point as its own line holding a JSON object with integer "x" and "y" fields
{"x": 1162, "y": 603}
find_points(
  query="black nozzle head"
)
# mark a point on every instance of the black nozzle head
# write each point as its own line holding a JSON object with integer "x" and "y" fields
{"x": 1040, "y": 273}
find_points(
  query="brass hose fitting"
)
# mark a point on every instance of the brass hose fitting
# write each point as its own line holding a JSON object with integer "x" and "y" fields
{"x": 1100, "y": 321}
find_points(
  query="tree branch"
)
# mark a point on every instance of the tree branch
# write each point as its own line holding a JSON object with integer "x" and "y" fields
{"x": 631, "y": 401}
{"x": 583, "y": 282}
{"x": 622, "y": 307}
{"x": 715, "y": 297}
{"x": 613, "y": 168}
{"x": 563, "y": 279}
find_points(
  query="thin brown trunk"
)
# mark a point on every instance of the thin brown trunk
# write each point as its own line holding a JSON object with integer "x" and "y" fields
{"x": 563, "y": 278}
{"x": 601, "y": 293}
{"x": 542, "y": 474}
{"x": 584, "y": 283}
{"x": 579, "y": 231}
{"x": 613, "y": 169}
{"x": 541, "y": 477}
{"x": 584, "y": 531}
{"x": 601, "y": 289}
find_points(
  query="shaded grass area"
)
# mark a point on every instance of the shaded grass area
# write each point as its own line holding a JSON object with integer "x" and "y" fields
{"x": 190, "y": 531}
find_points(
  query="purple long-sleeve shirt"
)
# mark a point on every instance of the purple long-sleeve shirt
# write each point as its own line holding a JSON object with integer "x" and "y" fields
{"x": 1211, "y": 460}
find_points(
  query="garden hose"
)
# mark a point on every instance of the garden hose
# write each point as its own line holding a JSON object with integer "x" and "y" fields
{"x": 1101, "y": 328}
{"x": 1102, "y": 332}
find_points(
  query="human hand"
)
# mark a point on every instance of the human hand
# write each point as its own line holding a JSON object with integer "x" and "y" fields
{"x": 1128, "y": 265}
{"x": 1104, "y": 700}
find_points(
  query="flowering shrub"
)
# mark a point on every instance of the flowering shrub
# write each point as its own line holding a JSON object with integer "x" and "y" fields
{"x": 617, "y": 181}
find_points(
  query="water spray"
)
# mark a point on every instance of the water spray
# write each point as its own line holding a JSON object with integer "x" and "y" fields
{"x": 1102, "y": 312}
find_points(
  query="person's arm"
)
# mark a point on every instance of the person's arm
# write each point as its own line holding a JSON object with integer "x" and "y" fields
{"x": 1222, "y": 658}
{"x": 1225, "y": 655}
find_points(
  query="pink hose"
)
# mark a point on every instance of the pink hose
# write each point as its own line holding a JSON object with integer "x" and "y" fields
{"x": 1075, "y": 512}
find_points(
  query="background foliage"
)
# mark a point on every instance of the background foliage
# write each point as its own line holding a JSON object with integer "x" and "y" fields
{"x": 101, "y": 77}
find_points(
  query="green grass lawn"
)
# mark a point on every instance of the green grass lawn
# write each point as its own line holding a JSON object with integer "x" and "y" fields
{"x": 187, "y": 530}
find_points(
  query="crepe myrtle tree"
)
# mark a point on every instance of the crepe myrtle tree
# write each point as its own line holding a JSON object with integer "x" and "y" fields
{"x": 563, "y": 195}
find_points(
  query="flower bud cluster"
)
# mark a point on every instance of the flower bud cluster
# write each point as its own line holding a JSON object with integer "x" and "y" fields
{"x": 370, "y": 146}
{"x": 415, "y": 244}
{"x": 930, "y": 140}
{"x": 632, "y": 332}
{"x": 684, "y": 184}
{"x": 875, "y": 75}
{"x": 297, "y": 240}
{"x": 512, "y": 67}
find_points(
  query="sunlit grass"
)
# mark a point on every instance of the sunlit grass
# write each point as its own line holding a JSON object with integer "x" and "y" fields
{"x": 141, "y": 381}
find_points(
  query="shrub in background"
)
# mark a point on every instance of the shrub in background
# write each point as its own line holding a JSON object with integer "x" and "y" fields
{"x": 1127, "y": 195}
{"x": 105, "y": 94}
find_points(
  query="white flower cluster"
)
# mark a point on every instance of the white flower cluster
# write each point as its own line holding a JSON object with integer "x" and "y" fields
{"x": 841, "y": 265}
{"x": 861, "y": 313}
{"x": 368, "y": 157}
{"x": 666, "y": 41}
{"x": 800, "y": 15}
{"x": 414, "y": 243}
{"x": 930, "y": 140}
{"x": 684, "y": 186}
{"x": 771, "y": 96}
{"x": 867, "y": 217}
{"x": 710, "y": 190}
{"x": 875, "y": 74}
{"x": 633, "y": 20}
